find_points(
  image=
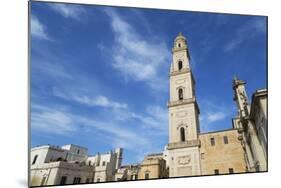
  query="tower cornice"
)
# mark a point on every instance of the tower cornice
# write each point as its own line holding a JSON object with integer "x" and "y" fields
{"x": 185, "y": 144}
{"x": 184, "y": 70}
{"x": 179, "y": 49}
{"x": 183, "y": 102}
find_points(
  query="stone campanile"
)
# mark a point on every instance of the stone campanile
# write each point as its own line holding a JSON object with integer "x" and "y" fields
{"x": 183, "y": 147}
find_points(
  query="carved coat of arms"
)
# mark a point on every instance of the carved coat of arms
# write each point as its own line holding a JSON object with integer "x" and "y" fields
{"x": 184, "y": 160}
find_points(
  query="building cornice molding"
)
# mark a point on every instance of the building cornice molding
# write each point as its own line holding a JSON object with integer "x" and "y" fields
{"x": 184, "y": 48}
{"x": 185, "y": 144}
{"x": 183, "y": 102}
{"x": 183, "y": 71}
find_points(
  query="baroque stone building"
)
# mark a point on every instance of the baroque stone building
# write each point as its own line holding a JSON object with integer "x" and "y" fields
{"x": 243, "y": 148}
{"x": 70, "y": 164}
{"x": 251, "y": 123}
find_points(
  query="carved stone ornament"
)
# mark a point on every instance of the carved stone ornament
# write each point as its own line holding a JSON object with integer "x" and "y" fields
{"x": 180, "y": 81}
{"x": 184, "y": 160}
{"x": 182, "y": 114}
{"x": 243, "y": 96}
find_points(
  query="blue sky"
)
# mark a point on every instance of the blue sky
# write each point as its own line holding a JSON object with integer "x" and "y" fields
{"x": 99, "y": 75}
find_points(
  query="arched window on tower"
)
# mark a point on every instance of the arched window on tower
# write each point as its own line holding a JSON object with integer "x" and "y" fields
{"x": 179, "y": 45}
{"x": 182, "y": 133}
{"x": 180, "y": 65}
{"x": 180, "y": 94}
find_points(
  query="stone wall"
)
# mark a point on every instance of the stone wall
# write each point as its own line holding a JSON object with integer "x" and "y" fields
{"x": 221, "y": 156}
{"x": 154, "y": 167}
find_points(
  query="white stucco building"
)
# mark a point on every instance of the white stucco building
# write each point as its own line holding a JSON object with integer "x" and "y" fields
{"x": 71, "y": 164}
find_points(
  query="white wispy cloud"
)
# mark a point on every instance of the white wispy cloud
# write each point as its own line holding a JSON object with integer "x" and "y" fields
{"x": 51, "y": 120}
{"x": 246, "y": 32}
{"x": 233, "y": 44}
{"x": 155, "y": 117}
{"x": 121, "y": 136}
{"x": 52, "y": 69}
{"x": 38, "y": 30}
{"x": 59, "y": 121}
{"x": 213, "y": 114}
{"x": 68, "y": 11}
{"x": 134, "y": 56}
{"x": 99, "y": 100}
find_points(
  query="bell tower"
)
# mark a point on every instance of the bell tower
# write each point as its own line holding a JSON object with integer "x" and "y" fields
{"x": 183, "y": 146}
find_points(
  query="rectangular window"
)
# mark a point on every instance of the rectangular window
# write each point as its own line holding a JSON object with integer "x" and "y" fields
{"x": 212, "y": 141}
{"x": 87, "y": 180}
{"x": 43, "y": 181}
{"x": 225, "y": 139}
{"x": 146, "y": 176}
{"x": 231, "y": 171}
{"x": 136, "y": 177}
{"x": 132, "y": 177}
{"x": 103, "y": 163}
{"x": 76, "y": 180}
{"x": 34, "y": 159}
{"x": 217, "y": 171}
{"x": 63, "y": 180}
{"x": 202, "y": 155}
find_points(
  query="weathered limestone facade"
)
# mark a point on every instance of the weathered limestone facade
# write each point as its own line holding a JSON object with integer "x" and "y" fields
{"x": 183, "y": 147}
{"x": 127, "y": 172}
{"x": 189, "y": 152}
{"x": 252, "y": 124}
{"x": 70, "y": 164}
{"x": 60, "y": 173}
{"x": 221, "y": 153}
{"x": 153, "y": 167}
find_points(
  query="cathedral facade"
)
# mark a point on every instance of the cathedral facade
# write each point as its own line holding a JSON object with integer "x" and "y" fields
{"x": 243, "y": 148}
